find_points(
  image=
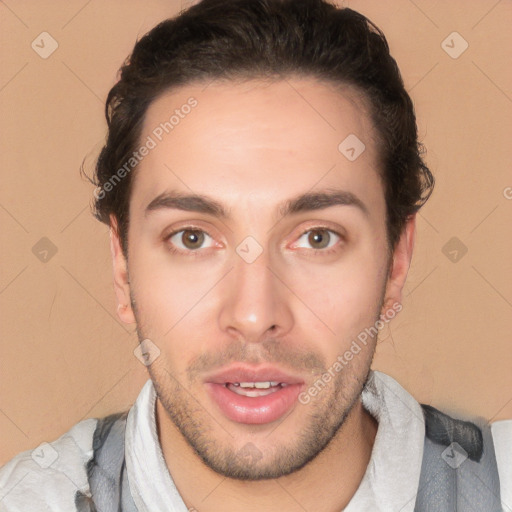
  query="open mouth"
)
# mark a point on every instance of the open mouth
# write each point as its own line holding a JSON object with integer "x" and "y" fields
{"x": 253, "y": 389}
{"x": 254, "y": 395}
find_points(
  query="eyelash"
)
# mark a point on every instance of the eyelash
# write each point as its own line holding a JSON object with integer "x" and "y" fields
{"x": 198, "y": 253}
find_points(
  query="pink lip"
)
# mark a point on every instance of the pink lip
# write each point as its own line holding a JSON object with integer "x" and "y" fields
{"x": 253, "y": 410}
{"x": 244, "y": 373}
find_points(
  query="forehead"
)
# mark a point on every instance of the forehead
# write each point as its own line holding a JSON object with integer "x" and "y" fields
{"x": 257, "y": 141}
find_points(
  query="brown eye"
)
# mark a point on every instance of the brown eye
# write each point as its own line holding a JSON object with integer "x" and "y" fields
{"x": 192, "y": 239}
{"x": 187, "y": 240}
{"x": 319, "y": 238}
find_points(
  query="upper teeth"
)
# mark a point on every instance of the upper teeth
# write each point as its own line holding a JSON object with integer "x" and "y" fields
{"x": 259, "y": 385}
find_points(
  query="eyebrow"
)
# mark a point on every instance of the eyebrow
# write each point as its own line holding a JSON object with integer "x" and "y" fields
{"x": 187, "y": 202}
{"x": 309, "y": 201}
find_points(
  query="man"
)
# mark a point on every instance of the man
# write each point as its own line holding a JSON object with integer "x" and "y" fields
{"x": 260, "y": 179}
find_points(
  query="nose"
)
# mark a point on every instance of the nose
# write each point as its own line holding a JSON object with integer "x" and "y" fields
{"x": 255, "y": 303}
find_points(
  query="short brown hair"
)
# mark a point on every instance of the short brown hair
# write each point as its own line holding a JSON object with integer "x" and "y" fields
{"x": 243, "y": 39}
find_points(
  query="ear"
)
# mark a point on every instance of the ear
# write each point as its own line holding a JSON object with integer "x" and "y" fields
{"x": 399, "y": 265}
{"x": 121, "y": 283}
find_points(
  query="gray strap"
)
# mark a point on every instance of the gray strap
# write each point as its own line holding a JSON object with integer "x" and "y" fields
{"x": 459, "y": 471}
{"x": 106, "y": 471}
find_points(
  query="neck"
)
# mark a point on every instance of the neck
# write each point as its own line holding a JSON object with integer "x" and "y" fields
{"x": 347, "y": 457}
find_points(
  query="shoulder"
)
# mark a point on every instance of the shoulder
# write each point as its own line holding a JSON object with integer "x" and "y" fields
{"x": 49, "y": 476}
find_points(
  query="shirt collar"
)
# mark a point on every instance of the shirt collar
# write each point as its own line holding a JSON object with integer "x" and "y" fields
{"x": 393, "y": 473}
{"x": 151, "y": 484}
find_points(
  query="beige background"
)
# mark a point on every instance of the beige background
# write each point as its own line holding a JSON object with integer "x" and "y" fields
{"x": 65, "y": 357}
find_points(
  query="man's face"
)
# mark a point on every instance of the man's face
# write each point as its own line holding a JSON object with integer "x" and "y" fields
{"x": 274, "y": 289}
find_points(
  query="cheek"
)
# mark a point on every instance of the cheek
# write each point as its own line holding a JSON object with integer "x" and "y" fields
{"x": 346, "y": 296}
{"x": 166, "y": 300}
{"x": 174, "y": 302}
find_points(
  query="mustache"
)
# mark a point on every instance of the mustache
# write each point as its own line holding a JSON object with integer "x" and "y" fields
{"x": 269, "y": 351}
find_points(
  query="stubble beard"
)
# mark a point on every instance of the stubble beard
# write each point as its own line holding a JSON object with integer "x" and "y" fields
{"x": 220, "y": 450}
{"x": 215, "y": 447}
